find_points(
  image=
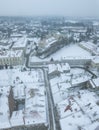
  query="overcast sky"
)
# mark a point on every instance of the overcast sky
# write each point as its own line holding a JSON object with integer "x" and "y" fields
{"x": 50, "y": 7}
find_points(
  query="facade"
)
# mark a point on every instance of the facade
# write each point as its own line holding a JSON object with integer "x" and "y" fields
{"x": 11, "y": 57}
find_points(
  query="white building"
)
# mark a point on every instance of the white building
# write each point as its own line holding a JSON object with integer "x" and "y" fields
{"x": 56, "y": 69}
{"x": 11, "y": 57}
{"x": 91, "y": 47}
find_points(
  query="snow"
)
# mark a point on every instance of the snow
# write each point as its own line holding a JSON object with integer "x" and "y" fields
{"x": 63, "y": 105}
{"x": 29, "y": 86}
{"x": 58, "y": 68}
{"x": 4, "y": 108}
{"x": 20, "y": 43}
{"x": 35, "y": 99}
{"x": 96, "y": 82}
{"x": 95, "y": 60}
{"x": 16, "y": 53}
{"x": 72, "y": 50}
{"x": 19, "y": 91}
{"x": 80, "y": 79}
{"x": 17, "y": 118}
{"x": 92, "y": 126}
{"x": 91, "y": 47}
{"x": 77, "y": 108}
{"x": 83, "y": 112}
{"x": 50, "y": 41}
{"x": 72, "y": 122}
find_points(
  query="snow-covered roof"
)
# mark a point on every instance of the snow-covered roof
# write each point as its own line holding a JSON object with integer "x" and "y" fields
{"x": 95, "y": 60}
{"x": 96, "y": 82}
{"x": 58, "y": 67}
{"x": 17, "y": 118}
{"x": 78, "y": 111}
{"x": 52, "y": 68}
{"x": 50, "y": 41}
{"x": 35, "y": 106}
{"x": 20, "y": 43}
{"x": 19, "y": 91}
{"x": 80, "y": 79}
{"x": 90, "y": 47}
{"x": 29, "y": 87}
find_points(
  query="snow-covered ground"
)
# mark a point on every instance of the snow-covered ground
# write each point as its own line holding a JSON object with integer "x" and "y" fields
{"x": 67, "y": 51}
{"x": 71, "y": 50}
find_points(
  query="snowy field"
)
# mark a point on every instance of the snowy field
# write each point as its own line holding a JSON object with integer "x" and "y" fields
{"x": 71, "y": 50}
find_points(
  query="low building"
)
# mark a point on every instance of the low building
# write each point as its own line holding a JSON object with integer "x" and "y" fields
{"x": 53, "y": 70}
{"x": 95, "y": 62}
{"x": 50, "y": 45}
{"x": 91, "y": 47}
{"x": 94, "y": 84}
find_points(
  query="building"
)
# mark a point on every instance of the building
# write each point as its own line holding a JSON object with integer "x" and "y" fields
{"x": 95, "y": 62}
{"x": 56, "y": 69}
{"x": 20, "y": 44}
{"x": 94, "y": 83}
{"x": 5, "y": 107}
{"x": 91, "y": 47}
{"x": 50, "y": 45}
{"x": 23, "y": 108}
{"x": 8, "y": 57}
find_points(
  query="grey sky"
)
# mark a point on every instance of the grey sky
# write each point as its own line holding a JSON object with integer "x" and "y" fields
{"x": 50, "y": 7}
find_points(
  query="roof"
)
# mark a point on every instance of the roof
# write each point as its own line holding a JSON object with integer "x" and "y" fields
{"x": 20, "y": 43}
{"x": 96, "y": 82}
{"x": 95, "y": 60}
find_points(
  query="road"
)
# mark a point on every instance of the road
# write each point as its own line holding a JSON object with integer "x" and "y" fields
{"x": 54, "y": 121}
